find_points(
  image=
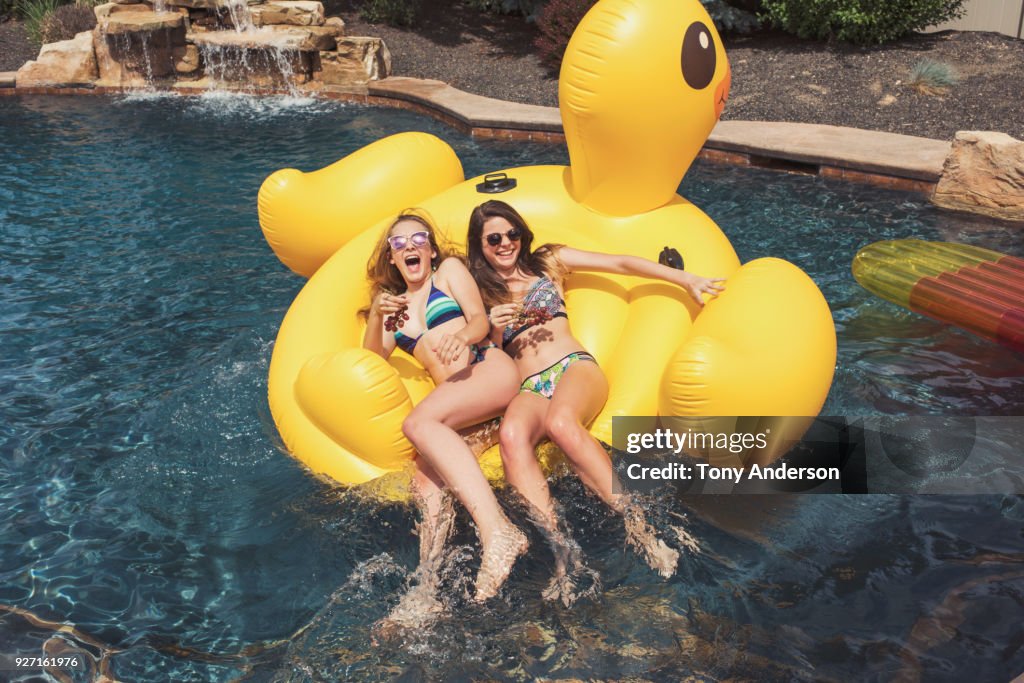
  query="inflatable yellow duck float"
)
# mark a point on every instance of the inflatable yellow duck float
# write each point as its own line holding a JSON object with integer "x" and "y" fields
{"x": 642, "y": 84}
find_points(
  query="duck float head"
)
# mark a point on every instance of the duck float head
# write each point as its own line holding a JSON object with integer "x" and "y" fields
{"x": 641, "y": 87}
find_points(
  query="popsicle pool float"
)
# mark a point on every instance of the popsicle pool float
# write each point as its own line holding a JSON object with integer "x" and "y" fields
{"x": 977, "y": 289}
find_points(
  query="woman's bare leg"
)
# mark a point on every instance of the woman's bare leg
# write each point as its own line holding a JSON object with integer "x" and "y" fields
{"x": 521, "y": 430}
{"x": 420, "y": 605}
{"x": 435, "y": 516}
{"x": 472, "y": 395}
{"x": 580, "y": 394}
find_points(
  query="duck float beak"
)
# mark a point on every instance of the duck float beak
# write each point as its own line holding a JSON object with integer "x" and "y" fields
{"x": 722, "y": 92}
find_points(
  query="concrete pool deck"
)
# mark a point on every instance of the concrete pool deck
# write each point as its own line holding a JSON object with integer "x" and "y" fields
{"x": 886, "y": 159}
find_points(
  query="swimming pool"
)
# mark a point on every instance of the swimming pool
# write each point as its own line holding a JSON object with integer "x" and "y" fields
{"x": 144, "y": 499}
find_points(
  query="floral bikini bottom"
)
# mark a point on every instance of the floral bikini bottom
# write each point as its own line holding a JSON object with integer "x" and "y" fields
{"x": 544, "y": 382}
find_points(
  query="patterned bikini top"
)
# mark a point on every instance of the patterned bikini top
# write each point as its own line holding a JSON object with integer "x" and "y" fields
{"x": 541, "y": 303}
{"x": 440, "y": 309}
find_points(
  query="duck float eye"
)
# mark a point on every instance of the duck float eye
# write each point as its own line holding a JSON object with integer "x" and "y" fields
{"x": 699, "y": 58}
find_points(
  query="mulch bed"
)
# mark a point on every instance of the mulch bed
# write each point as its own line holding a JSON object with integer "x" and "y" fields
{"x": 15, "y": 47}
{"x": 775, "y": 77}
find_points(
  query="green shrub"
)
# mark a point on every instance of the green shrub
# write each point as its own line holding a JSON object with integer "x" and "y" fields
{"x": 66, "y": 22}
{"x": 530, "y": 9}
{"x": 391, "y": 12}
{"x": 859, "y": 21}
{"x": 729, "y": 19}
{"x": 34, "y": 13}
{"x": 555, "y": 24}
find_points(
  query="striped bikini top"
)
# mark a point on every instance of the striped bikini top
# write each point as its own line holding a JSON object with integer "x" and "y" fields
{"x": 541, "y": 303}
{"x": 440, "y": 309}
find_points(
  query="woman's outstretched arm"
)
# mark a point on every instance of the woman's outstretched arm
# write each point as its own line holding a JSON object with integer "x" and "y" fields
{"x": 623, "y": 264}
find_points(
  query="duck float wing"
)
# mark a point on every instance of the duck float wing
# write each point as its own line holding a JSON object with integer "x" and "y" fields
{"x": 306, "y": 217}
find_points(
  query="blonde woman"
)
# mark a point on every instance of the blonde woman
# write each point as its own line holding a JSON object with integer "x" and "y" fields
{"x": 429, "y": 307}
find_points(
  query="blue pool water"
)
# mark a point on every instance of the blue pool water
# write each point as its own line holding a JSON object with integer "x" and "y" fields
{"x": 145, "y": 500}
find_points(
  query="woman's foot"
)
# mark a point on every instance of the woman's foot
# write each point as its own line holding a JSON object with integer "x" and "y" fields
{"x": 499, "y": 555}
{"x": 641, "y": 536}
{"x": 417, "y": 609}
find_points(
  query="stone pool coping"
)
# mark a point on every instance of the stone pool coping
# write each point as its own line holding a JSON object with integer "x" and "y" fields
{"x": 886, "y": 159}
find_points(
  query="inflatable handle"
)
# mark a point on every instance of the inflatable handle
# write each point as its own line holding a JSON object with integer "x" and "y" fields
{"x": 672, "y": 258}
{"x": 495, "y": 183}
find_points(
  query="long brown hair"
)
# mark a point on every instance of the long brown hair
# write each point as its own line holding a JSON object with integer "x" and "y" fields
{"x": 384, "y": 275}
{"x": 542, "y": 262}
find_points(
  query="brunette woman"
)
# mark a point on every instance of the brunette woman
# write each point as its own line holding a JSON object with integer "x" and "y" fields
{"x": 562, "y": 387}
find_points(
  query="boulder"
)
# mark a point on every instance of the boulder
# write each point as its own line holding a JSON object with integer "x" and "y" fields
{"x": 984, "y": 173}
{"x": 66, "y": 63}
{"x": 336, "y": 23}
{"x": 135, "y": 47}
{"x": 356, "y": 61}
{"x": 274, "y": 38}
{"x": 186, "y": 59}
{"x": 290, "y": 12}
{"x": 104, "y": 12}
{"x": 207, "y": 4}
{"x": 142, "y": 22}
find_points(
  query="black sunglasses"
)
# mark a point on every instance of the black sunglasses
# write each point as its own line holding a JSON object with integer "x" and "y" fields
{"x": 494, "y": 239}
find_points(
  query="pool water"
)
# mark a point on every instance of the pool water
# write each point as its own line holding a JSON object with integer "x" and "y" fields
{"x": 146, "y": 502}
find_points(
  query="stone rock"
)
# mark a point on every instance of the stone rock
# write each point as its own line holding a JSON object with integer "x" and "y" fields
{"x": 338, "y": 24}
{"x": 208, "y": 4}
{"x": 186, "y": 59}
{"x": 65, "y": 63}
{"x": 357, "y": 61}
{"x": 984, "y": 173}
{"x": 273, "y": 38}
{"x": 290, "y": 12}
{"x": 142, "y": 22}
{"x": 324, "y": 37}
{"x": 134, "y": 48}
{"x": 104, "y": 12}
{"x": 265, "y": 58}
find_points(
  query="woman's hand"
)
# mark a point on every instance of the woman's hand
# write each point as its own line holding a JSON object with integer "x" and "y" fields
{"x": 450, "y": 347}
{"x": 387, "y": 303}
{"x": 503, "y": 314}
{"x": 696, "y": 285}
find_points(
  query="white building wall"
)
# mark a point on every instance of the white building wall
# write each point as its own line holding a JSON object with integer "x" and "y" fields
{"x": 1001, "y": 16}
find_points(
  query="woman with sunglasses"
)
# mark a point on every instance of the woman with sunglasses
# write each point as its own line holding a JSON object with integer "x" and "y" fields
{"x": 562, "y": 388}
{"x": 430, "y": 307}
